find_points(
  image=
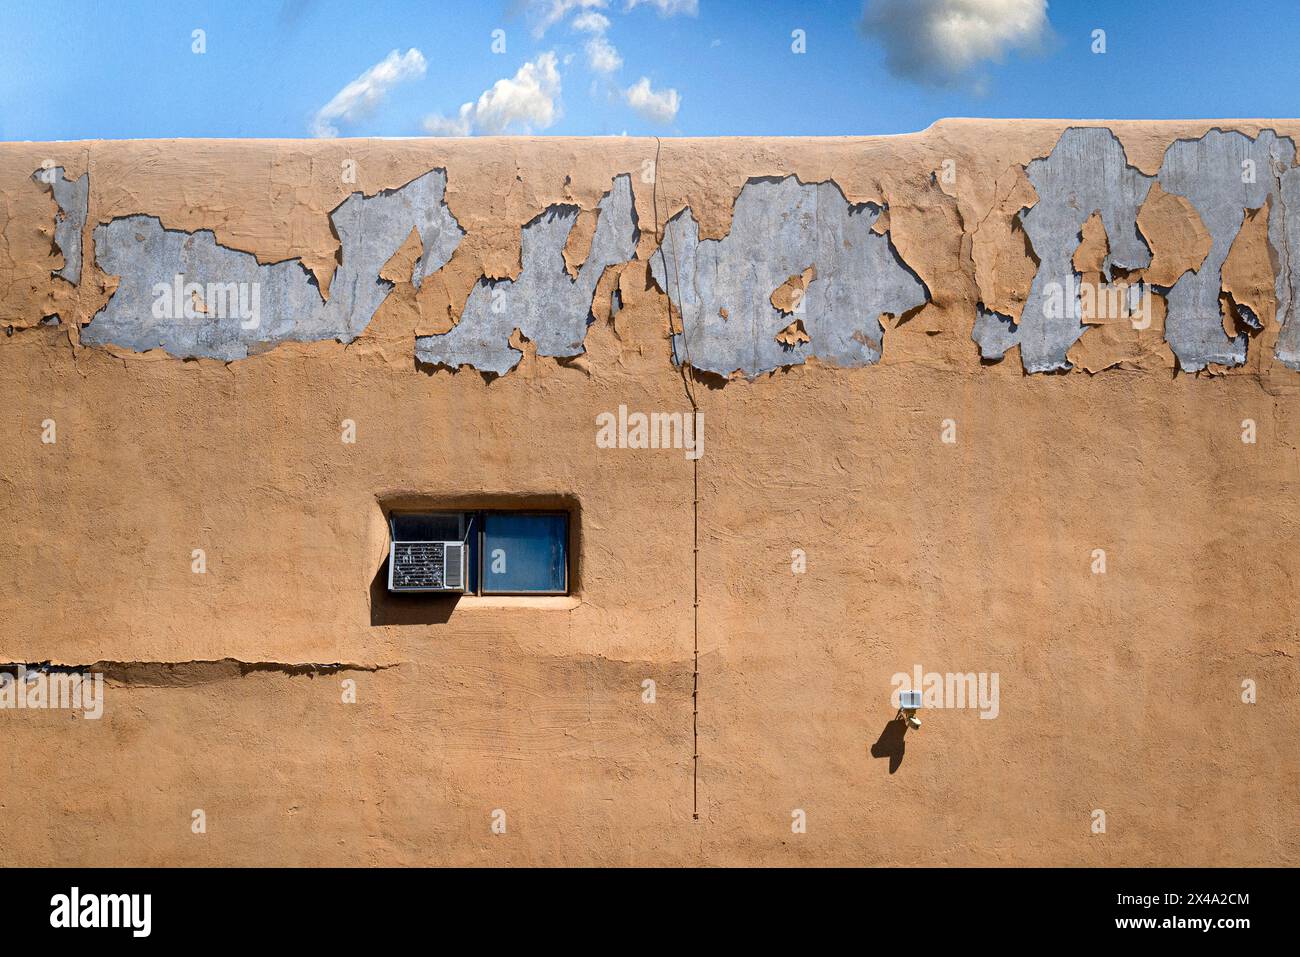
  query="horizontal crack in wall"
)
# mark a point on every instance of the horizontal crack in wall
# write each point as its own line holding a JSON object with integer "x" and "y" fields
{"x": 185, "y": 674}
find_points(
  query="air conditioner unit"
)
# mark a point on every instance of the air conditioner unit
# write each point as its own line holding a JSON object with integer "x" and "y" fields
{"x": 426, "y": 566}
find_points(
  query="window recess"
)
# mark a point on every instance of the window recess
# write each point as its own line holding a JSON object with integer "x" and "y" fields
{"x": 479, "y": 552}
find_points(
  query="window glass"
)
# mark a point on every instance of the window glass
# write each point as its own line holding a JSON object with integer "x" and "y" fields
{"x": 525, "y": 552}
{"x": 427, "y": 527}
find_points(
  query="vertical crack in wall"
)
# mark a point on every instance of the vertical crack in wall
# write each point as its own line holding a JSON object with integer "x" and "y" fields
{"x": 547, "y": 304}
{"x": 188, "y": 294}
{"x": 781, "y": 228}
{"x": 684, "y": 368}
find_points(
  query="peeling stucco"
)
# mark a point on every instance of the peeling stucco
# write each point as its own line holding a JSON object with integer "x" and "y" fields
{"x": 785, "y": 234}
{"x": 1222, "y": 174}
{"x": 783, "y": 269}
{"x": 1087, "y": 172}
{"x": 1286, "y": 224}
{"x": 546, "y": 303}
{"x": 168, "y": 278}
{"x": 1204, "y": 190}
{"x": 996, "y": 333}
{"x": 72, "y": 197}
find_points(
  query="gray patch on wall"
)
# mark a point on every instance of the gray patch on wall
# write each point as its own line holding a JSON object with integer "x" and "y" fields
{"x": 994, "y": 333}
{"x": 1288, "y": 284}
{"x": 72, "y": 197}
{"x": 722, "y": 288}
{"x": 228, "y": 302}
{"x": 1086, "y": 172}
{"x": 1222, "y": 175}
{"x": 546, "y": 304}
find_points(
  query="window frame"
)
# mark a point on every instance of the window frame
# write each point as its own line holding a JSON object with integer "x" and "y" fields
{"x": 472, "y": 523}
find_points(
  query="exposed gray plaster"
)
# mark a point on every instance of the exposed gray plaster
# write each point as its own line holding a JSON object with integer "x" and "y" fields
{"x": 1285, "y": 219}
{"x": 1222, "y": 175}
{"x": 780, "y": 227}
{"x": 994, "y": 333}
{"x": 545, "y": 303}
{"x": 1086, "y": 172}
{"x": 153, "y": 262}
{"x": 72, "y": 197}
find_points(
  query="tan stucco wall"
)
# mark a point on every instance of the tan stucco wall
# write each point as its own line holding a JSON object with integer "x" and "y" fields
{"x": 1119, "y": 692}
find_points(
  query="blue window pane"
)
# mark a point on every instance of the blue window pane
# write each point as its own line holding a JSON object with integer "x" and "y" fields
{"x": 525, "y": 553}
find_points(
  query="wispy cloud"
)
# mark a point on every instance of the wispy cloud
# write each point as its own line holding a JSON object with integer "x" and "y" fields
{"x": 591, "y": 22}
{"x": 591, "y": 17}
{"x": 667, "y": 8}
{"x": 656, "y": 106}
{"x": 938, "y": 42}
{"x": 360, "y": 97}
{"x": 603, "y": 56}
{"x": 545, "y": 14}
{"x": 528, "y": 101}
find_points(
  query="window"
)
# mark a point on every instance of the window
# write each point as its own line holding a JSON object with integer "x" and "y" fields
{"x": 525, "y": 552}
{"x": 480, "y": 552}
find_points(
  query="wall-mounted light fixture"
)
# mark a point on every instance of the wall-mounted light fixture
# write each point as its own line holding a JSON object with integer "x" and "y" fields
{"x": 909, "y": 702}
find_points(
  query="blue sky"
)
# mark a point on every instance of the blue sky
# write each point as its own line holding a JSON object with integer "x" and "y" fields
{"x": 76, "y": 69}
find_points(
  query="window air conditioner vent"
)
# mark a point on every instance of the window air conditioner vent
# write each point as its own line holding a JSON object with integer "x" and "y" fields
{"x": 453, "y": 575}
{"x": 426, "y": 566}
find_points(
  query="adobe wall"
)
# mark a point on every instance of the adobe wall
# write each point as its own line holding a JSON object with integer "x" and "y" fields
{"x": 835, "y": 309}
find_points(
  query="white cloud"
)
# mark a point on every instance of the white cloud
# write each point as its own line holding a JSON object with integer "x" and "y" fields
{"x": 527, "y": 100}
{"x": 547, "y": 13}
{"x": 460, "y": 125}
{"x": 657, "y": 107}
{"x": 603, "y": 56}
{"x": 362, "y": 95}
{"x": 591, "y": 22}
{"x": 939, "y": 41}
{"x": 667, "y": 8}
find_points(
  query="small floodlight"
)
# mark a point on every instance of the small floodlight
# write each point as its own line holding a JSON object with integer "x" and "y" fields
{"x": 908, "y": 703}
